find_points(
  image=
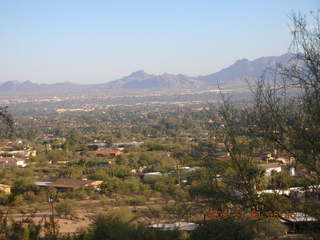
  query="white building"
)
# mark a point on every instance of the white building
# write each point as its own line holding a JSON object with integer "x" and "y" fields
{"x": 180, "y": 226}
{"x": 270, "y": 167}
{"x": 151, "y": 176}
{"x": 12, "y": 162}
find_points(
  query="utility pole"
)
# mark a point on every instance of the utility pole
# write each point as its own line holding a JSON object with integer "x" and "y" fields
{"x": 53, "y": 227}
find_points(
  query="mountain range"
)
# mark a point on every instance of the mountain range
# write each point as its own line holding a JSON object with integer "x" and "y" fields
{"x": 233, "y": 76}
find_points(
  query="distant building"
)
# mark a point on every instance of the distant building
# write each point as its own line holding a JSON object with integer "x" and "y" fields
{"x": 23, "y": 153}
{"x": 151, "y": 176}
{"x": 64, "y": 184}
{"x": 179, "y": 226}
{"x": 298, "y": 222}
{"x": 270, "y": 167}
{"x": 12, "y": 162}
{"x": 43, "y": 184}
{"x": 121, "y": 144}
{"x": 275, "y": 191}
{"x": 96, "y": 145}
{"x": 312, "y": 191}
{"x": 285, "y": 159}
{"x": 107, "y": 152}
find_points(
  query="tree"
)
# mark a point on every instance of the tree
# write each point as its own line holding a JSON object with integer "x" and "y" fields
{"x": 285, "y": 114}
{"x": 23, "y": 185}
{"x": 121, "y": 224}
{"x": 286, "y": 111}
{"x": 6, "y": 122}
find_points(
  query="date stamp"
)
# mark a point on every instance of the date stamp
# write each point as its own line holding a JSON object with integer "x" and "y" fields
{"x": 221, "y": 214}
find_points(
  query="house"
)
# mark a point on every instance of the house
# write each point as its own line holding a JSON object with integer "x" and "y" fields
{"x": 6, "y": 189}
{"x": 121, "y": 144}
{"x": 267, "y": 156}
{"x": 12, "y": 162}
{"x": 179, "y": 226}
{"x": 42, "y": 184}
{"x": 285, "y": 159}
{"x": 64, "y": 184}
{"x": 9, "y": 151}
{"x": 107, "y": 152}
{"x": 312, "y": 191}
{"x": 274, "y": 191}
{"x": 279, "y": 157}
{"x": 152, "y": 176}
{"x": 299, "y": 222}
{"x": 270, "y": 167}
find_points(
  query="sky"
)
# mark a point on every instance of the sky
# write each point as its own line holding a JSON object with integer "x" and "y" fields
{"x": 95, "y": 41}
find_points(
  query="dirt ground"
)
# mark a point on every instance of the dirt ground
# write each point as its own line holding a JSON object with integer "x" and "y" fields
{"x": 83, "y": 217}
{"x": 71, "y": 226}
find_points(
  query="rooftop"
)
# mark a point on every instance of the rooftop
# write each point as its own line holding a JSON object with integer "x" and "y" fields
{"x": 71, "y": 183}
{"x": 269, "y": 165}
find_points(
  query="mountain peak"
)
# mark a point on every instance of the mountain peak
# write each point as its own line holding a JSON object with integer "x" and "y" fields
{"x": 242, "y": 60}
{"x": 12, "y": 82}
{"x": 243, "y": 70}
{"x": 27, "y": 82}
{"x": 137, "y": 74}
{"x": 142, "y": 80}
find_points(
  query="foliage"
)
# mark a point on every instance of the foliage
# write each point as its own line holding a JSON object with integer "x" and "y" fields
{"x": 23, "y": 185}
{"x": 239, "y": 229}
{"x": 122, "y": 225}
{"x": 6, "y": 123}
{"x": 66, "y": 208}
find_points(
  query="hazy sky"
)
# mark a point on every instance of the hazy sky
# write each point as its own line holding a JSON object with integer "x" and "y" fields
{"x": 90, "y": 41}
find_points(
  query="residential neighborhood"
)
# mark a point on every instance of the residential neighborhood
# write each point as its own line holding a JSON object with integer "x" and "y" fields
{"x": 160, "y": 120}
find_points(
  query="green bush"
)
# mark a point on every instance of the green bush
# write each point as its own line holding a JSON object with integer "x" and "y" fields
{"x": 156, "y": 211}
{"x": 66, "y": 208}
{"x": 21, "y": 186}
{"x": 121, "y": 224}
{"x": 138, "y": 200}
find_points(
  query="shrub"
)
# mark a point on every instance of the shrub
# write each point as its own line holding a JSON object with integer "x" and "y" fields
{"x": 139, "y": 200}
{"x": 66, "y": 208}
{"x": 4, "y": 199}
{"x": 156, "y": 211}
{"x": 120, "y": 224}
{"x": 21, "y": 186}
{"x": 29, "y": 196}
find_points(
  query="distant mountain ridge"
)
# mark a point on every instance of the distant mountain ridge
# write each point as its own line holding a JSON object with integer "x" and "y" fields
{"x": 28, "y": 85}
{"x": 233, "y": 76}
{"x": 244, "y": 69}
{"x": 17, "y": 88}
{"x": 142, "y": 80}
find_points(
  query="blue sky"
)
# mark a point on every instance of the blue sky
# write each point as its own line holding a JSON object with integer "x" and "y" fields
{"x": 101, "y": 40}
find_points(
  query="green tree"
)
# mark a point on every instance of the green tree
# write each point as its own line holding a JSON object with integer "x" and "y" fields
{"x": 21, "y": 186}
{"x": 285, "y": 114}
{"x": 6, "y": 123}
{"x": 286, "y": 111}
